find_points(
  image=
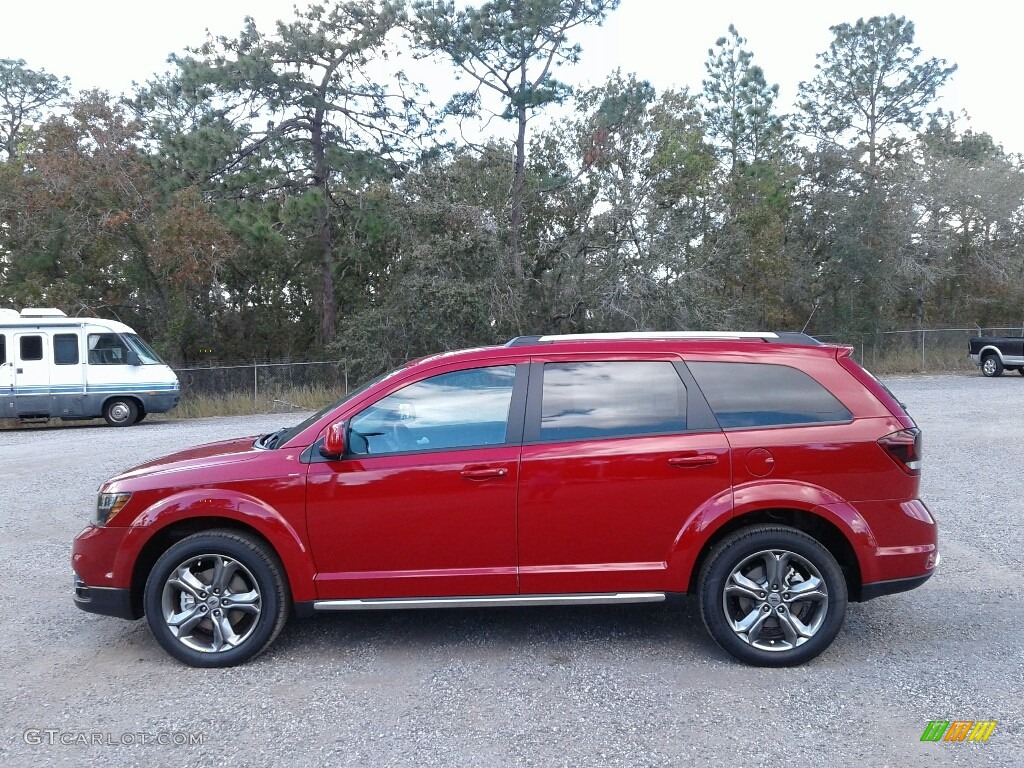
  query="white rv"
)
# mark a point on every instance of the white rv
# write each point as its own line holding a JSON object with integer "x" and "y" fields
{"x": 55, "y": 366}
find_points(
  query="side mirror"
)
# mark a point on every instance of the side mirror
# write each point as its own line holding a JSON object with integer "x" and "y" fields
{"x": 133, "y": 357}
{"x": 334, "y": 441}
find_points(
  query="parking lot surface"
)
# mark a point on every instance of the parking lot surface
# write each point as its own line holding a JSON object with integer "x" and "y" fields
{"x": 639, "y": 685}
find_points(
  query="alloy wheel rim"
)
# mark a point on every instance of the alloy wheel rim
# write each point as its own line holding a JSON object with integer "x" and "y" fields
{"x": 211, "y": 603}
{"x": 775, "y": 600}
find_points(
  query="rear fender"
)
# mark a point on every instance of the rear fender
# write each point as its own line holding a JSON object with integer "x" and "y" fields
{"x": 762, "y": 496}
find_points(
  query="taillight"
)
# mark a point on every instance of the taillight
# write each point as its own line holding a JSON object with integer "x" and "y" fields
{"x": 904, "y": 447}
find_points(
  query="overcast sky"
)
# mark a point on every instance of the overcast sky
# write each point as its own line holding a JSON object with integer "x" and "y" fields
{"x": 110, "y": 43}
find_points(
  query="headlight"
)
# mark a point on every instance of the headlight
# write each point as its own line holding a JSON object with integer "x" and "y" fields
{"x": 108, "y": 505}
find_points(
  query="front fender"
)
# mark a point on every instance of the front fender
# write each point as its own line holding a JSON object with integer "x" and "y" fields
{"x": 274, "y": 526}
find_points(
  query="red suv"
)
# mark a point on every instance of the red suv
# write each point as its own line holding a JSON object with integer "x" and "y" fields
{"x": 767, "y": 474}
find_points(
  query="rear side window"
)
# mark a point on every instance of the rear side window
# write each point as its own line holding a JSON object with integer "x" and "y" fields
{"x": 31, "y": 347}
{"x": 765, "y": 395}
{"x": 611, "y": 399}
{"x": 3, "y": 349}
{"x": 65, "y": 349}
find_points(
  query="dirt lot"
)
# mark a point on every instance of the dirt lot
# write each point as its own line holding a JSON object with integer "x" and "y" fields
{"x": 612, "y": 686}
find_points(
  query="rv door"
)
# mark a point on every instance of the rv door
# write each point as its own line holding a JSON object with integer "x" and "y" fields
{"x": 6, "y": 371}
{"x": 31, "y": 375}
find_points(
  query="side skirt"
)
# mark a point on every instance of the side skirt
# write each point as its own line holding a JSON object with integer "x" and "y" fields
{"x": 501, "y": 601}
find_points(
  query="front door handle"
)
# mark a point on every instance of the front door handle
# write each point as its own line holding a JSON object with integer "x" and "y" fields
{"x": 698, "y": 460}
{"x": 483, "y": 473}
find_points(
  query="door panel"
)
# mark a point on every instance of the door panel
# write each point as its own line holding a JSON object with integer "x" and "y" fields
{"x": 611, "y": 472}
{"x": 424, "y": 504}
{"x": 604, "y": 515}
{"x": 6, "y": 364}
{"x": 31, "y": 373}
{"x": 414, "y": 525}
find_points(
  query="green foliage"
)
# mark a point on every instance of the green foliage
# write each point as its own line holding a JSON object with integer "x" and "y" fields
{"x": 25, "y": 96}
{"x": 872, "y": 80}
{"x": 739, "y": 104}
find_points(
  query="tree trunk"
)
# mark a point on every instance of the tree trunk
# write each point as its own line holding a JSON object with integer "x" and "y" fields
{"x": 328, "y": 311}
{"x": 515, "y": 244}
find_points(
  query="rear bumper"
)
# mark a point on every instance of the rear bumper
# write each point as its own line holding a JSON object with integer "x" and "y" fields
{"x": 892, "y": 586}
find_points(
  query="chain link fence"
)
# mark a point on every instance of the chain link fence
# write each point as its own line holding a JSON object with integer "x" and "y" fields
{"x": 922, "y": 350}
{"x": 288, "y": 386}
{"x": 281, "y": 386}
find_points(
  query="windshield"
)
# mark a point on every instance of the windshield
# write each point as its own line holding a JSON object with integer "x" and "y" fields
{"x": 282, "y": 436}
{"x": 146, "y": 355}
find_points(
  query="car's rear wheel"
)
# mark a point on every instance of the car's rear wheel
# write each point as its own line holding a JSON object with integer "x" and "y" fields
{"x": 216, "y": 599}
{"x": 991, "y": 365}
{"x": 772, "y": 596}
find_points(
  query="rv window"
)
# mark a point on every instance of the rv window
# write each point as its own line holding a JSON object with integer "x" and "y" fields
{"x": 31, "y": 347}
{"x": 3, "y": 349}
{"x": 65, "y": 349}
{"x": 107, "y": 349}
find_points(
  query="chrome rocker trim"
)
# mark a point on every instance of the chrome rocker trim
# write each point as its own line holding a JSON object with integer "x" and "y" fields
{"x": 389, "y": 603}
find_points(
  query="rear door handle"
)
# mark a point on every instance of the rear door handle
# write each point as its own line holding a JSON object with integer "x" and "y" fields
{"x": 483, "y": 473}
{"x": 699, "y": 460}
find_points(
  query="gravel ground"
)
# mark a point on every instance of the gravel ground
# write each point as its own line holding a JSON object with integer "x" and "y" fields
{"x": 606, "y": 686}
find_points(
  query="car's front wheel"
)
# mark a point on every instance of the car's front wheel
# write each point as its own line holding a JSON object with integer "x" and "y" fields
{"x": 772, "y": 596}
{"x": 121, "y": 412}
{"x": 216, "y": 599}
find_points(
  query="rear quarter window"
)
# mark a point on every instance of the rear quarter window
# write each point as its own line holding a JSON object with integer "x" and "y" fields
{"x": 751, "y": 395}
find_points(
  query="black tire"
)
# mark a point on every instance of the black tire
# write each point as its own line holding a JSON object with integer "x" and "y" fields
{"x": 1020, "y": 371}
{"x": 140, "y": 417}
{"x": 991, "y": 366}
{"x": 250, "y": 578}
{"x": 782, "y": 613}
{"x": 120, "y": 412}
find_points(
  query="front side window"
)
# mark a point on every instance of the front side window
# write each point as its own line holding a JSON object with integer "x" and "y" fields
{"x": 65, "y": 349}
{"x": 611, "y": 399}
{"x": 31, "y": 347}
{"x": 462, "y": 409}
{"x": 107, "y": 349}
{"x": 751, "y": 395}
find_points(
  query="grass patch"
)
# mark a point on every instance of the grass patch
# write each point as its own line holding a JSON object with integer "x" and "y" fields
{"x": 295, "y": 400}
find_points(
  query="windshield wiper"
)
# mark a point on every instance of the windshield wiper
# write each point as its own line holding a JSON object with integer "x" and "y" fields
{"x": 270, "y": 440}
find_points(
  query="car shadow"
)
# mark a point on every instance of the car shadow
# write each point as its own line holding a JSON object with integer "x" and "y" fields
{"x": 673, "y": 626}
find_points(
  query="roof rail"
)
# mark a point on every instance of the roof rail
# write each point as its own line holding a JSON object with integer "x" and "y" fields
{"x": 767, "y": 336}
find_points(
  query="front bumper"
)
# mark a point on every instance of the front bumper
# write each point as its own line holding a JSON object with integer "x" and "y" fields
{"x": 103, "y": 572}
{"x": 161, "y": 402}
{"x": 106, "y": 601}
